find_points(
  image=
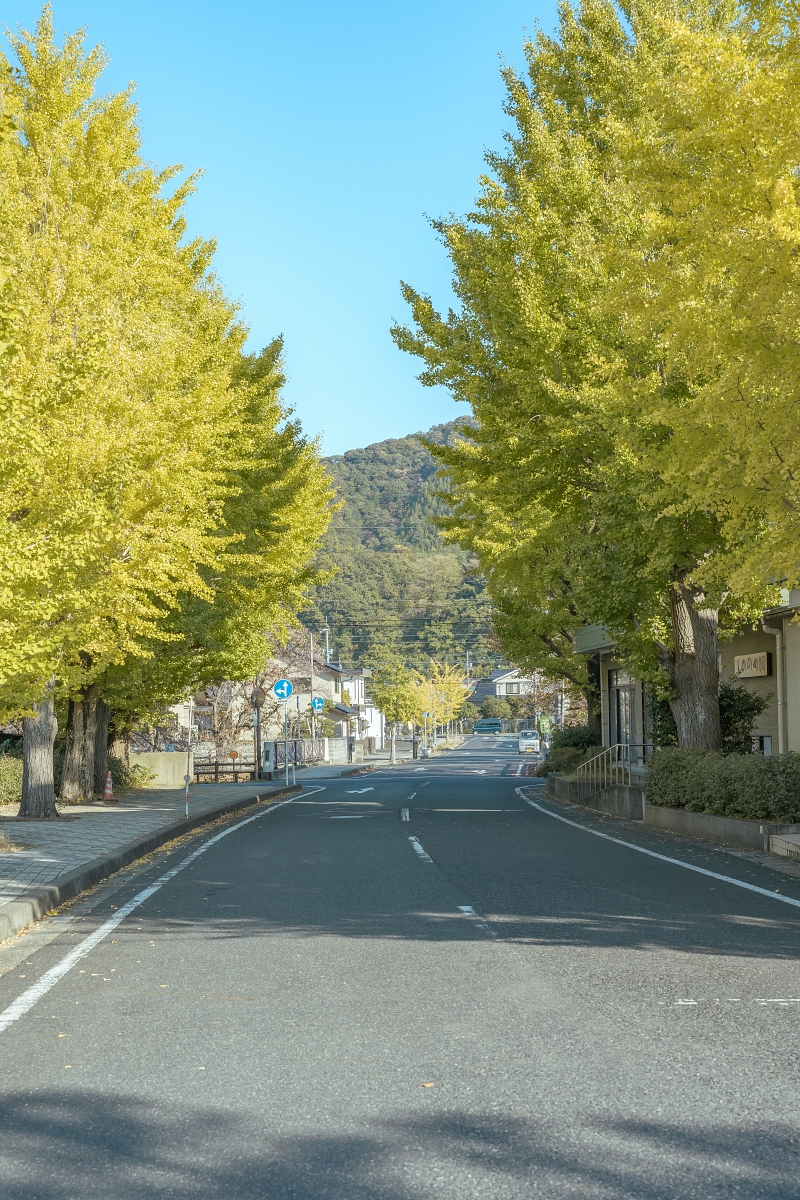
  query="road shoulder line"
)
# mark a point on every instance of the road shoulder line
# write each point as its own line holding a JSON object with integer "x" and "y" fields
{"x": 677, "y": 862}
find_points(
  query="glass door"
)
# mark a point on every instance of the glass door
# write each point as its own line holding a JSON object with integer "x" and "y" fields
{"x": 621, "y": 693}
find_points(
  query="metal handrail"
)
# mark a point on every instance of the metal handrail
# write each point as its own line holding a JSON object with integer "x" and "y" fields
{"x": 613, "y": 765}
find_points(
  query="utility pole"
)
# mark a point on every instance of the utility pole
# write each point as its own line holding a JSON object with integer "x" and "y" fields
{"x": 257, "y": 699}
{"x": 327, "y": 631}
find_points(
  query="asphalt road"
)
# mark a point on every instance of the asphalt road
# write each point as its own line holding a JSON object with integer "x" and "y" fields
{"x": 319, "y": 1007}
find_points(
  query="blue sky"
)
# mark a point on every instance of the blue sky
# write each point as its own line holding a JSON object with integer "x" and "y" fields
{"x": 327, "y": 132}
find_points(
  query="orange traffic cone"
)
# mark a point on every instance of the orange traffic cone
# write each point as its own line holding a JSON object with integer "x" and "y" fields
{"x": 108, "y": 794}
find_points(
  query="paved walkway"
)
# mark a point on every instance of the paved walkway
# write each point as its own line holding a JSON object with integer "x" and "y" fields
{"x": 54, "y": 848}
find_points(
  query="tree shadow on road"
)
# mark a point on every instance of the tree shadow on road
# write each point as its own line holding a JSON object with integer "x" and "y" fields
{"x": 117, "y": 1147}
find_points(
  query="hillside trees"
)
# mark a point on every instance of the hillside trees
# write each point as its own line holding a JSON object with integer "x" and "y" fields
{"x": 152, "y": 503}
{"x": 398, "y": 588}
{"x": 564, "y": 489}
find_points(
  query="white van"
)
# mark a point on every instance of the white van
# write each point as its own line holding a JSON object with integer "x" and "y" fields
{"x": 529, "y": 741}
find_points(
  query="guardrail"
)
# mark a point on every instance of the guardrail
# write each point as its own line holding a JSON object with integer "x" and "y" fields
{"x": 212, "y": 770}
{"x": 616, "y": 764}
{"x": 301, "y": 750}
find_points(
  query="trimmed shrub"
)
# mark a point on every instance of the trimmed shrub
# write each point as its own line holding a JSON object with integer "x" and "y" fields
{"x": 578, "y": 736}
{"x": 10, "y": 779}
{"x": 739, "y": 710}
{"x": 751, "y": 786}
{"x": 565, "y": 759}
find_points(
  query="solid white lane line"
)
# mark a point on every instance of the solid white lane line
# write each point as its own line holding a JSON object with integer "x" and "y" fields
{"x": 26, "y": 1001}
{"x": 415, "y": 846}
{"x": 676, "y": 862}
{"x": 349, "y": 817}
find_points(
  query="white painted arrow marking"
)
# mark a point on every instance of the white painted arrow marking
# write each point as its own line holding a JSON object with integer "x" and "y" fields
{"x": 359, "y": 791}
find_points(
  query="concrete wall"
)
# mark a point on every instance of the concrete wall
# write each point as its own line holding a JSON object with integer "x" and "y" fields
{"x": 728, "y": 831}
{"x": 170, "y": 768}
{"x": 791, "y": 632}
{"x": 619, "y": 800}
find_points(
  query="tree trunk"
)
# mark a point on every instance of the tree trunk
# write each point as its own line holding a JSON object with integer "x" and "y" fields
{"x": 694, "y": 670}
{"x": 77, "y": 781}
{"x": 392, "y": 758}
{"x": 101, "y": 746}
{"x": 38, "y": 736}
{"x": 121, "y": 748}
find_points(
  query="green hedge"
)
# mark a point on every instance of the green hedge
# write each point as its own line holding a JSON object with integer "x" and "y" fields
{"x": 734, "y": 785}
{"x": 10, "y": 779}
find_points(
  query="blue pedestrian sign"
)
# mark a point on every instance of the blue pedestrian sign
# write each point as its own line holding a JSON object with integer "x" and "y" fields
{"x": 318, "y": 704}
{"x": 283, "y": 688}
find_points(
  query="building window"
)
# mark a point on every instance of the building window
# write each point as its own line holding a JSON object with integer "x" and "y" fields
{"x": 512, "y": 689}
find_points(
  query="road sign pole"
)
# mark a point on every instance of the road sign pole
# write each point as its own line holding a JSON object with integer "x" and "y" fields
{"x": 187, "y": 777}
{"x": 286, "y": 738}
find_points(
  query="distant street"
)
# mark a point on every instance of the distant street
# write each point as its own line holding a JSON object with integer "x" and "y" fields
{"x": 479, "y": 1001}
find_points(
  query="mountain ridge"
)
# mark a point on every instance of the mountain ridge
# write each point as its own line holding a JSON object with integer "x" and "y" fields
{"x": 399, "y": 588}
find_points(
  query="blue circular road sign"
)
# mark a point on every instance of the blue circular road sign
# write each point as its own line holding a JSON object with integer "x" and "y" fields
{"x": 318, "y": 704}
{"x": 283, "y": 688}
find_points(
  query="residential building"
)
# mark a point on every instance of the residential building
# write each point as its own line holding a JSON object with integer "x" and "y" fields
{"x": 503, "y": 683}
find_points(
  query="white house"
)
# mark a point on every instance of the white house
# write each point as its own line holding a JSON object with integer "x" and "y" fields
{"x": 502, "y": 683}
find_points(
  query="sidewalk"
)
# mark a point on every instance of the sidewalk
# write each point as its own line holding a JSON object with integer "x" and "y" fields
{"x": 59, "y": 859}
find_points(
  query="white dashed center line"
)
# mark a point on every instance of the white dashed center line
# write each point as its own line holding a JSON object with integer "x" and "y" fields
{"x": 420, "y": 850}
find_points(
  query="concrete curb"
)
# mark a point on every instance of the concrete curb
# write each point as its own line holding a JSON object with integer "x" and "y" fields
{"x": 31, "y": 905}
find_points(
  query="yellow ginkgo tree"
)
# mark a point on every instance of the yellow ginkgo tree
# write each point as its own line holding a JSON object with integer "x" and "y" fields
{"x": 128, "y": 424}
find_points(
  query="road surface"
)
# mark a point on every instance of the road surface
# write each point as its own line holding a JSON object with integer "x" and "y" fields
{"x": 333, "y": 1002}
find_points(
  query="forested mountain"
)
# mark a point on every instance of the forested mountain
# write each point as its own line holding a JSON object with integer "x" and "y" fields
{"x": 398, "y": 586}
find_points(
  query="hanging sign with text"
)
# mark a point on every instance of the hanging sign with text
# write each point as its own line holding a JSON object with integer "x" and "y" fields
{"x": 752, "y": 666}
